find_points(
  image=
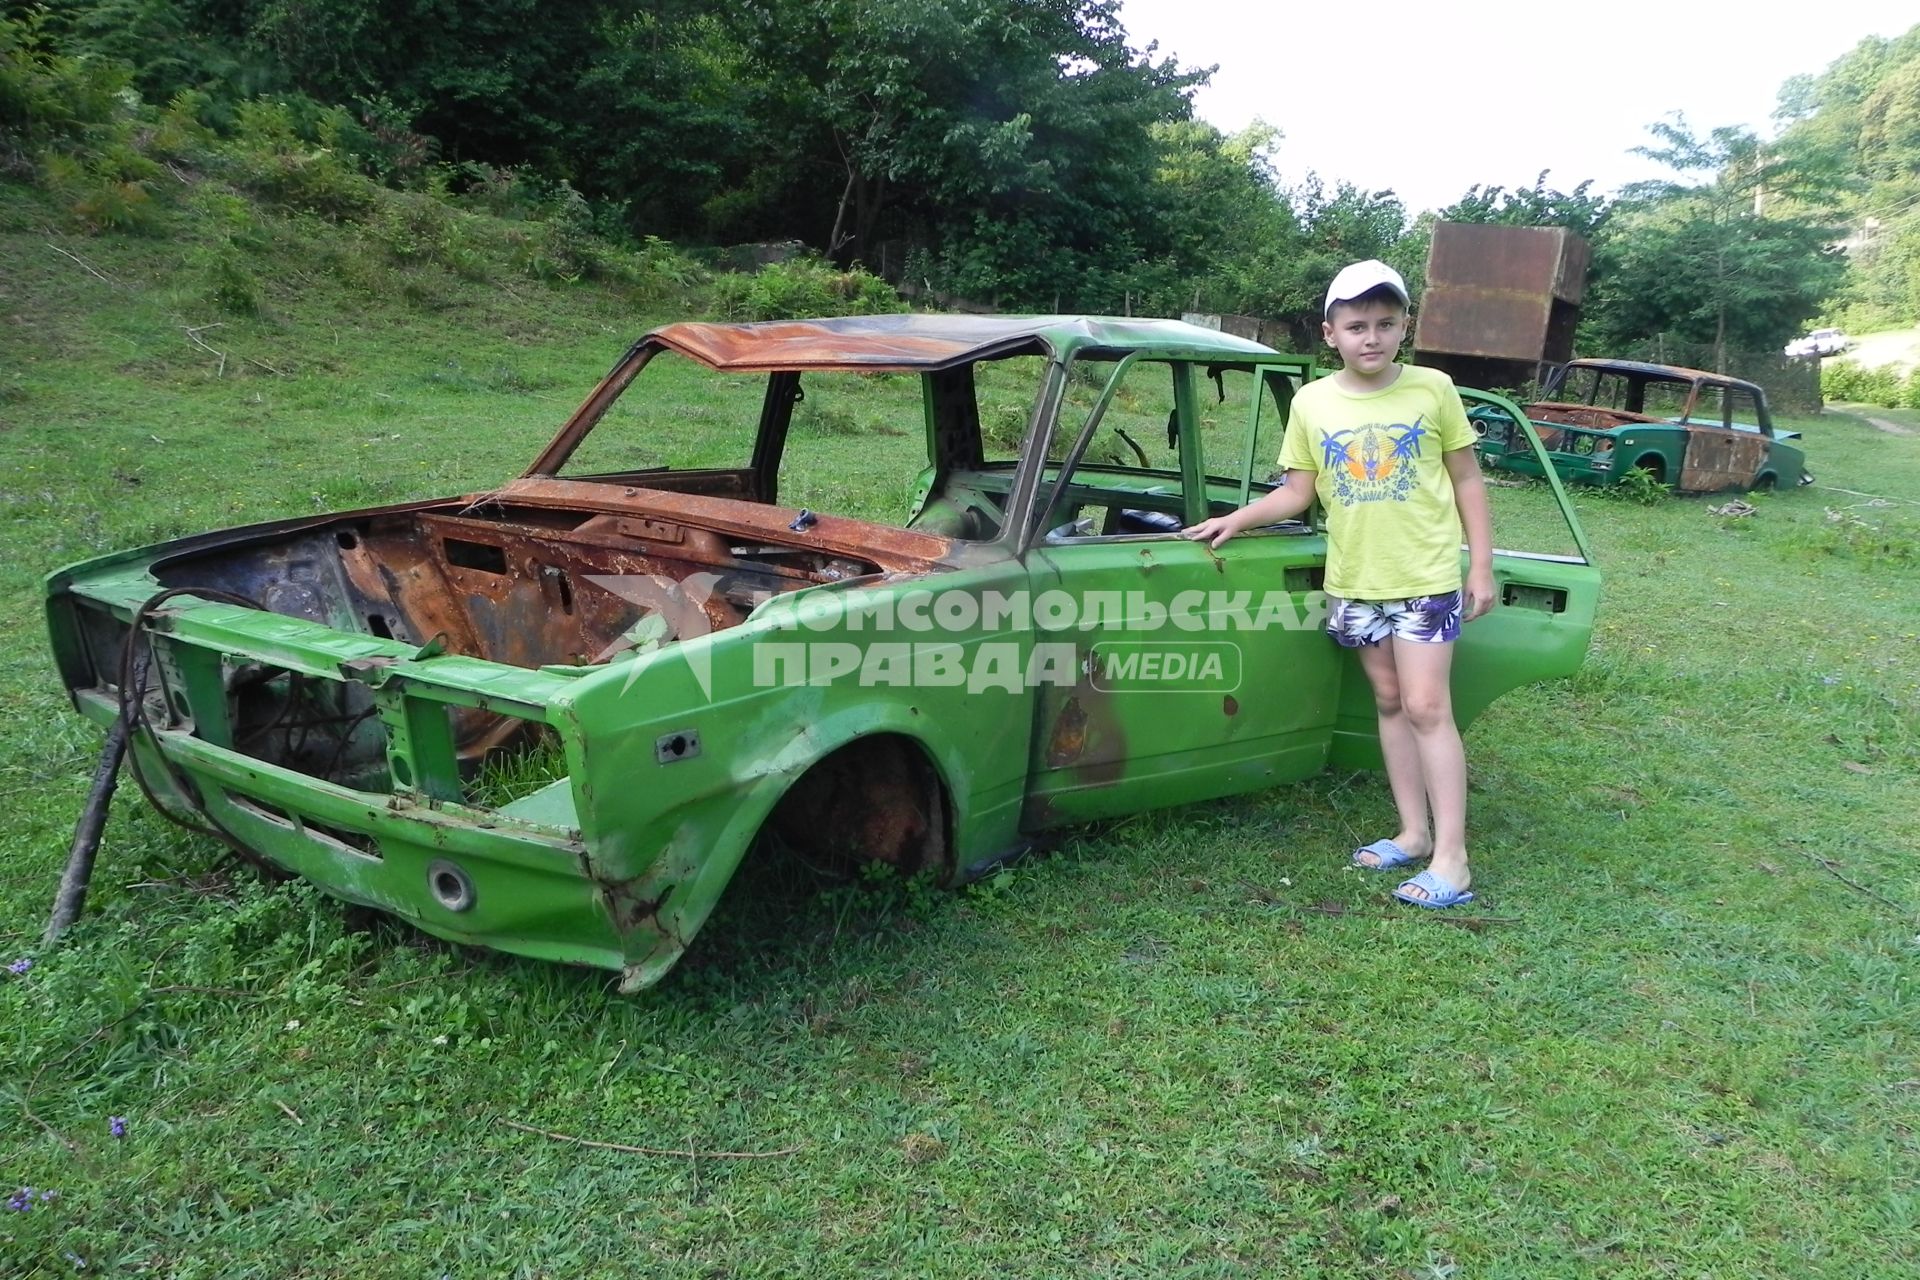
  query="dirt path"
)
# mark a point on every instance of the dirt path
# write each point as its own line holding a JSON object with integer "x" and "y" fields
{"x": 1891, "y": 428}
{"x": 1890, "y": 346}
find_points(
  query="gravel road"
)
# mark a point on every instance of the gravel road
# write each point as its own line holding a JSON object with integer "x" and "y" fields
{"x": 1890, "y": 346}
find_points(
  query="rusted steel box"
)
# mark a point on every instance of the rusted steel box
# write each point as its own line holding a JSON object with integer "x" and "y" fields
{"x": 1501, "y": 293}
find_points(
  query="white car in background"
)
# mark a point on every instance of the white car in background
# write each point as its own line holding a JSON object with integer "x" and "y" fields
{"x": 1821, "y": 342}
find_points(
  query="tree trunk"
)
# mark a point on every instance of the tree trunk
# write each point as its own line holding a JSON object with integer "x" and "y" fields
{"x": 835, "y": 239}
{"x": 867, "y": 203}
{"x": 1720, "y": 312}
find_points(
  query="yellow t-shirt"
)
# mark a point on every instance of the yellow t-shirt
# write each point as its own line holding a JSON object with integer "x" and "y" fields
{"x": 1393, "y": 530}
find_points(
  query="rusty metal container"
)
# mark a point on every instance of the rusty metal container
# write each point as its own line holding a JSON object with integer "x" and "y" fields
{"x": 1498, "y": 293}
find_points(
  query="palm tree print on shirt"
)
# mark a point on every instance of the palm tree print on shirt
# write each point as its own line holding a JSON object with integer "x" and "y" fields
{"x": 1374, "y": 463}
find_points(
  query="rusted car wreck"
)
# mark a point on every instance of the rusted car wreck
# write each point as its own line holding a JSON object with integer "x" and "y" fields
{"x": 1694, "y": 431}
{"x": 553, "y": 718}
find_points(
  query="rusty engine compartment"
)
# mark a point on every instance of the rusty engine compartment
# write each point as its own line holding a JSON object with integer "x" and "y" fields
{"x": 542, "y": 579}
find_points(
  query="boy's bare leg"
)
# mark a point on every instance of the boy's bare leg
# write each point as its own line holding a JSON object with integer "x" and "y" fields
{"x": 1406, "y": 777}
{"x": 1426, "y": 703}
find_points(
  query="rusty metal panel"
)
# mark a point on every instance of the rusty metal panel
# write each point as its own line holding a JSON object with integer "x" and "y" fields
{"x": 1550, "y": 261}
{"x": 1500, "y": 323}
{"x": 1721, "y": 460}
{"x": 1505, "y": 293}
{"x": 893, "y": 550}
{"x": 899, "y": 342}
{"x": 1570, "y": 285}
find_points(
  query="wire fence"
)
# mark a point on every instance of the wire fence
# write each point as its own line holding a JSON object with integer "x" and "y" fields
{"x": 1792, "y": 383}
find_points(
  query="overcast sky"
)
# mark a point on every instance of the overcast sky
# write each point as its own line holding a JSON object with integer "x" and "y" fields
{"x": 1432, "y": 98}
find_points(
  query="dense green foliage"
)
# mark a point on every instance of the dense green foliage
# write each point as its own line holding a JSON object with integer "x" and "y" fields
{"x": 1023, "y": 154}
{"x": 1887, "y": 386}
{"x": 1705, "y": 259}
{"x": 1861, "y": 116}
{"x": 1008, "y": 145}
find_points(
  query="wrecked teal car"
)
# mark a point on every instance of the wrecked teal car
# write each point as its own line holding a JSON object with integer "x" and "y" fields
{"x": 1692, "y": 431}
{"x": 552, "y": 718}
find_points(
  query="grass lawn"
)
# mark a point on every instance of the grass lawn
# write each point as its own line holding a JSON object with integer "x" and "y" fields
{"x": 1677, "y": 1034}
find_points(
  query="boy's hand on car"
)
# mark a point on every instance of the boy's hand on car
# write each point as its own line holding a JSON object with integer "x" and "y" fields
{"x": 1213, "y": 532}
{"x": 1478, "y": 596}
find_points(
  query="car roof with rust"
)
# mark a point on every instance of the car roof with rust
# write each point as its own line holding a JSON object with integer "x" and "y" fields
{"x": 935, "y": 341}
{"x": 1670, "y": 372}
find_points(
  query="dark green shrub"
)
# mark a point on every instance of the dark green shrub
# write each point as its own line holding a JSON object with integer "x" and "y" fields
{"x": 272, "y": 157}
{"x": 417, "y": 229}
{"x": 504, "y": 192}
{"x": 1840, "y": 380}
{"x": 229, "y": 281}
{"x": 46, "y": 96}
{"x": 181, "y": 132}
{"x": 1635, "y": 485}
{"x": 382, "y": 140}
{"x": 1846, "y": 381}
{"x": 105, "y": 191}
{"x": 309, "y": 181}
{"x": 653, "y": 272}
{"x": 802, "y": 287}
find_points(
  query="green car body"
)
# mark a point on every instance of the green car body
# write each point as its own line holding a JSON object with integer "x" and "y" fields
{"x": 1693, "y": 431}
{"x": 1033, "y": 646}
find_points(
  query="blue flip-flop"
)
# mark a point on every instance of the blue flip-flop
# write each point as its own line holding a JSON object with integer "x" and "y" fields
{"x": 1390, "y": 854}
{"x": 1440, "y": 893}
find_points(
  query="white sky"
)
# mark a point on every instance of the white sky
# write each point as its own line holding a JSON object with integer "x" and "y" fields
{"x": 1434, "y": 97}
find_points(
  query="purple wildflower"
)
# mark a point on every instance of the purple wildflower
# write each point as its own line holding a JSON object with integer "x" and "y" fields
{"x": 21, "y": 1200}
{"x": 117, "y": 1125}
{"x": 20, "y": 966}
{"x": 49, "y": 1195}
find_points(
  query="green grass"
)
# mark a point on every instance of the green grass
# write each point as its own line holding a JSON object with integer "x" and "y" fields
{"x": 1677, "y": 1035}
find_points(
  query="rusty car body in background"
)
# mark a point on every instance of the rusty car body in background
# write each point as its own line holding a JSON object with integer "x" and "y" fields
{"x": 671, "y": 660}
{"x": 1693, "y": 431}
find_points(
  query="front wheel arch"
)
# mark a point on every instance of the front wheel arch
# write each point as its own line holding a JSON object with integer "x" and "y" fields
{"x": 878, "y": 798}
{"x": 1653, "y": 464}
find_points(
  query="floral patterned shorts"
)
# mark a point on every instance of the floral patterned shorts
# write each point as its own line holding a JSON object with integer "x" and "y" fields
{"x": 1421, "y": 620}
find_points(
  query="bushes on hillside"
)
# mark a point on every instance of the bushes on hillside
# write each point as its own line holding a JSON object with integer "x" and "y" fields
{"x": 236, "y": 181}
{"x": 1884, "y": 386}
{"x": 77, "y": 128}
{"x": 802, "y": 287}
{"x": 48, "y": 98}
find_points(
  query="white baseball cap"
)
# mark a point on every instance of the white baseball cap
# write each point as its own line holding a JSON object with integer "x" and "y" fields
{"x": 1356, "y": 278}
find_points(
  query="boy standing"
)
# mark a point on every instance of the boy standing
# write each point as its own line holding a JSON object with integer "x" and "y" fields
{"x": 1388, "y": 450}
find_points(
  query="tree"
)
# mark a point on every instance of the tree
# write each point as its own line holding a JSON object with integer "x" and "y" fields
{"x": 1706, "y": 259}
{"x": 495, "y": 81}
{"x": 1889, "y": 144}
{"x": 663, "y": 122}
{"x": 1535, "y": 206}
{"x": 1219, "y": 210}
{"x": 1012, "y": 138}
{"x": 1746, "y": 284}
{"x": 1348, "y": 225}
